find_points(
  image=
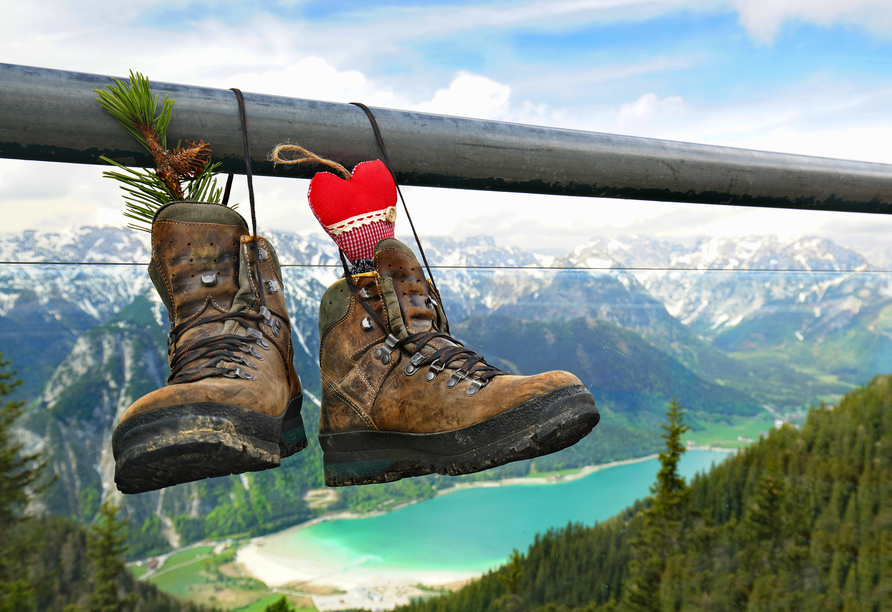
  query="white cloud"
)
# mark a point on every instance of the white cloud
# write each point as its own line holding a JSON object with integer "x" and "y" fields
{"x": 470, "y": 95}
{"x": 580, "y": 82}
{"x": 41, "y": 195}
{"x": 820, "y": 118}
{"x": 340, "y": 63}
{"x": 316, "y": 79}
{"x": 33, "y": 33}
{"x": 762, "y": 18}
{"x": 648, "y": 113}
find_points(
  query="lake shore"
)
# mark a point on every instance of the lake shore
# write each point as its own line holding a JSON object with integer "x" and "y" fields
{"x": 546, "y": 479}
{"x": 365, "y": 583}
{"x": 559, "y": 478}
{"x": 332, "y": 585}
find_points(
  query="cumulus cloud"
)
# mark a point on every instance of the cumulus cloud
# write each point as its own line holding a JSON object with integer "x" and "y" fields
{"x": 467, "y": 94}
{"x": 648, "y": 114}
{"x": 470, "y": 95}
{"x": 316, "y": 79}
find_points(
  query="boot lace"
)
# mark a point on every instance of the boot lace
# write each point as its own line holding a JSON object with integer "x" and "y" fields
{"x": 441, "y": 357}
{"x": 202, "y": 358}
{"x": 472, "y": 364}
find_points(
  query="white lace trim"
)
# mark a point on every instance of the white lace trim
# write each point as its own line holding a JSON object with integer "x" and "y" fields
{"x": 386, "y": 214}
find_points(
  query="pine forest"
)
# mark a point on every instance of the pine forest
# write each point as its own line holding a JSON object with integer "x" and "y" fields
{"x": 800, "y": 521}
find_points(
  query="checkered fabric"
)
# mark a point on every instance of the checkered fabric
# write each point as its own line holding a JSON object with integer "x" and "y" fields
{"x": 359, "y": 243}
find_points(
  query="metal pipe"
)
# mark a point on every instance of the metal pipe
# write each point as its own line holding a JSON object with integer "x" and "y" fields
{"x": 52, "y": 115}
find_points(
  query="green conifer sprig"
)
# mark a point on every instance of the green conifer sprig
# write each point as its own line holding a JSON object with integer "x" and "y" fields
{"x": 145, "y": 192}
{"x": 184, "y": 173}
{"x": 135, "y": 108}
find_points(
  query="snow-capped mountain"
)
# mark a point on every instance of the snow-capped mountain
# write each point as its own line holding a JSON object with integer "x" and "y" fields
{"x": 90, "y": 339}
{"x": 717, "y": 284}
{"x": 673, "y": 295}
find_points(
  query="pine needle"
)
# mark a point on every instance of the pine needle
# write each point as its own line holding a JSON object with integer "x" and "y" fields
{"x": 185, "y": 173}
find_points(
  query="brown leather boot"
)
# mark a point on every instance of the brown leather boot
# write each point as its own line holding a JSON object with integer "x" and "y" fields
{"x": 400, "y": 397}
{"x": 233, "y": 399}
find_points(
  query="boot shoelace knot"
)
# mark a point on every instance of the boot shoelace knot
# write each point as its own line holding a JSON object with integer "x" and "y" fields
{"x": 438, "y": 360}
{"x": 203, "y": 358}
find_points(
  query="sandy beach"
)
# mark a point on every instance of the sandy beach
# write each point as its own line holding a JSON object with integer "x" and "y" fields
{"x": 353, "y": 586}
{"x": 334, "y": 583}
{"x": 318, "y": 573}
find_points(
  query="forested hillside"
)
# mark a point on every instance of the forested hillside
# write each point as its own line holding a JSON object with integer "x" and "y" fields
{"x": 56, "y": 572}
{"x": 800, "y": 521}
{"x": 52, "y": 563}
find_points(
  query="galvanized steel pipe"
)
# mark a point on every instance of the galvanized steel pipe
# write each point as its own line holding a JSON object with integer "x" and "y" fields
{"x": 53, "y": 115}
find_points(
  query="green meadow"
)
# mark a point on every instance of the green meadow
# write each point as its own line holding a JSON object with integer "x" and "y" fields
{"x": 727, "y": 432}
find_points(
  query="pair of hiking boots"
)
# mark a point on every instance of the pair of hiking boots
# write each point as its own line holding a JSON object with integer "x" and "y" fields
{"x": 400, "y": 396}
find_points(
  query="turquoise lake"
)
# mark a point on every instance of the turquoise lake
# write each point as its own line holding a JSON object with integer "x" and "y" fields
{"x": 474, "y": 530}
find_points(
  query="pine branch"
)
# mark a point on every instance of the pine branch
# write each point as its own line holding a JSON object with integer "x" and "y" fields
{"x": 185, "y": 173}
{"x": 134, "y": 108}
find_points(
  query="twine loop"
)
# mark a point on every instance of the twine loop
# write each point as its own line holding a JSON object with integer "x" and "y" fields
{"x": 276, "y": 157}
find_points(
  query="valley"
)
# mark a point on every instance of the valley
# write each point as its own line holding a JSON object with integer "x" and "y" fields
{"x": 747, "y": 335}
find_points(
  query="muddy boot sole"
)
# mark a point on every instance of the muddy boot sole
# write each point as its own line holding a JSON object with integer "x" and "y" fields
{"x": 542, "y": 425}
{"x": 190, "y": 442}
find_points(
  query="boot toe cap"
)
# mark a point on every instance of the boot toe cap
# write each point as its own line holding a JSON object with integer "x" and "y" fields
{"x": 265, "y": 399}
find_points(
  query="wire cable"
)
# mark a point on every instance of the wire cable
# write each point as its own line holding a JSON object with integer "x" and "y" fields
{"x": 525, "y": 268}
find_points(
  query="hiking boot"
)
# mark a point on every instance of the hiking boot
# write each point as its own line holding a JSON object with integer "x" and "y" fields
{"x": 232, "y": 402}
{"x": 401, "y": 397}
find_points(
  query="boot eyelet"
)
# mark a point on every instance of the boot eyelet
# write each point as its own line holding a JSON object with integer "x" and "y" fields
{"x": 364, "y": 293}
{"x": 366, "y": 324}
{"x": 274, "y": 324}
{"x": 258, "y": 338}
{"x": 383, "y": 352}
{"x": 434, "y": 371}
{"x": 238, "y": 373}
{"x": 249, "y": 348}
{"x": 243, "y": 361}
{"x": 456, "y": 378}
{"x": 476, "y": 385}
{"x": 413, "y": 364}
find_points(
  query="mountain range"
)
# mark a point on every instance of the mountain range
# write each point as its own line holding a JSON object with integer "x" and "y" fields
{"x": 730, "y": 327}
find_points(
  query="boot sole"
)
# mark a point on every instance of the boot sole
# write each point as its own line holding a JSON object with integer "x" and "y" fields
{"x": 542, "y": 425}
{"x": 189, "y": 442}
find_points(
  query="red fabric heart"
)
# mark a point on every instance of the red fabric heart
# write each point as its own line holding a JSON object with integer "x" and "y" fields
{"x": 355, "y": 212}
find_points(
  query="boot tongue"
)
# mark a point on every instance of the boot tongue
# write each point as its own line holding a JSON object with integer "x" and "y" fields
{"x": 195, "y": 250}
{"x": 396, "y": 262}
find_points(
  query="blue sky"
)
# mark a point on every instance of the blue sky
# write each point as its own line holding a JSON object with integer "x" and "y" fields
{"x": 800, "y": 76}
